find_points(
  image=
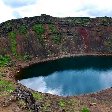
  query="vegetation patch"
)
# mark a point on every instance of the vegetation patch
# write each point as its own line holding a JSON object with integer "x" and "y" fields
{"x": 4, "y": 61}
{"x": 62, "y": 103}
{"x": 23, "y": 29}
{"x": 55, "y": 37}
{"x": 39, "y": 29}
{"x": 85, "y": 109}
{"x": 37, "y": 96}
{"x": 6, "y": 86}
{"x": 12, "y": 36}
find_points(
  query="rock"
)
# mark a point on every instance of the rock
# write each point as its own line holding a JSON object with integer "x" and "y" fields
{"x": 63, "y": 110}
{"x": 27, "y": 96}
{"x": 92, "y": 104}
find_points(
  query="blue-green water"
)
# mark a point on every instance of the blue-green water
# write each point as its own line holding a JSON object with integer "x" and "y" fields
{"x": 69, "y": 76}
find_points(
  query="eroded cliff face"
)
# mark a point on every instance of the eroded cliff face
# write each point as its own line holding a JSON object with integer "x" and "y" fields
{"x": 42, "y": 36}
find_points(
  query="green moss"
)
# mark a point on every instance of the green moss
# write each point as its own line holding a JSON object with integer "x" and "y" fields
{"x": 12, "y": 36}
{"x": 62, "y": 103}
{"x": 23, "y": 29}
{"x": 37, "y": 96}
{"x": 39, "y": 30}
{"x": 4, "y": 61}
{"x": 6, "y": 86}
{"x": 85, "y": 109}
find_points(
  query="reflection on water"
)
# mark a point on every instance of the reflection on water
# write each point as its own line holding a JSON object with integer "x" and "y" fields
{"x": 71, "y": 82}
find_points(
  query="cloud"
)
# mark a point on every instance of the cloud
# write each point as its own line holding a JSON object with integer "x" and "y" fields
{"x": 63, "y": 8}
{"x": 96, "y": 8}
{"x": 39, "y": 84}
{"x": 5, "y": 12}
{"x": 18, "y": 3}
{"x": 71, "y": 82}
{"x": 57, "y": 8}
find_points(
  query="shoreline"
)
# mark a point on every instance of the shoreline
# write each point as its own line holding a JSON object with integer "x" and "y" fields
{"x": 51, "y": 58}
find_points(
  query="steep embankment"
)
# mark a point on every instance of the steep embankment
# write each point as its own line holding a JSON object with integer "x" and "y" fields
{"x": 29, "y": 40}
{"x": 45, "y": 35}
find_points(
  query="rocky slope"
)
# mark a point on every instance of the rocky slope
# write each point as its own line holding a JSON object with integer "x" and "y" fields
{"x": 42, "y": 36}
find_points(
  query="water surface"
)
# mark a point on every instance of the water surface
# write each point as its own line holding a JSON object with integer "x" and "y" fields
{"x": 69, "y": 76}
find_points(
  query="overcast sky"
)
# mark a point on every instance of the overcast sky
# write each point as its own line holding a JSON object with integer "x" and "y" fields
{"x": 11, "y": 9}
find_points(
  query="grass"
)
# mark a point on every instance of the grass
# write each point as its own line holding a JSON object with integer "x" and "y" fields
{"x": 39, "y": 30}
{"x": 23, "y": 29}
{"x": 62, "y": 103}
{"x": 4, "y": 61}
{"x": 85, "y": 109}
{"x": 56, "y": 37}
{"x": 37, "y": 96}
{"x": 6, "y": 86}
{"x": 12, "y": 36}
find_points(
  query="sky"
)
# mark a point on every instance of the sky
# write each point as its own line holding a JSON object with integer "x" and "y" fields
{"x": 12, "y": 9}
